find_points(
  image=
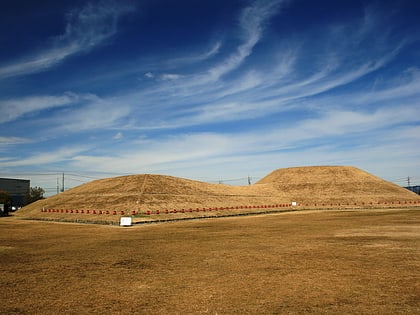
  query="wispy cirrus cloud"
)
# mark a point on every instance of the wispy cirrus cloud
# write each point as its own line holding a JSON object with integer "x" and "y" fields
{"x": 201, "y": 56}
{"x": 252, "y": 22}
{"x": 43, "y": 158}
{"x": 249, "y": 92}
{"x": 283, "y": 86}
{"x": 170, "y": 76}
{"x": 13, "y": 109}
{"x": 269, "y": 143}
{"x": 251, "y": 25}
{"x": 93, "y": 113}
{"x": 72, "y": 112}
{"x": 86, "y": 28}
{"x": 341, "y": 94}
{"x": 12, "y": 140}
{"x": 251, "y": 99}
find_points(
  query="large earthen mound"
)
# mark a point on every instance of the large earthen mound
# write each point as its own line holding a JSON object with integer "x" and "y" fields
{"x": 308, "y": 186}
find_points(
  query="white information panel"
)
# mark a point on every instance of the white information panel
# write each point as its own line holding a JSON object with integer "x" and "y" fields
{"x": 125, "y": 221}
{"x": 294, "y": 203}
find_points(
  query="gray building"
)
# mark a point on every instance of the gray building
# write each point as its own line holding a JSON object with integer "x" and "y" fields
{"x": 415, "y": 189}
{"x": 18, "y": 189}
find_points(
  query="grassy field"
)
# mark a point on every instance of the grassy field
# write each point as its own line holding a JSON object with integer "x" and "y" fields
{"x": 306, "y": 262}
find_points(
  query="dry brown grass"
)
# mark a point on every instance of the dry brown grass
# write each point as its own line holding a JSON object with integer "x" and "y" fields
{"x": 311, "y": 187}
{"x": 317, "y": 262}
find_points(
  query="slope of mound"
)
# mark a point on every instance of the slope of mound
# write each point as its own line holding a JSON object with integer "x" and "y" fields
{"x": 305, "y": 185}
{"x": 336, "y": 184}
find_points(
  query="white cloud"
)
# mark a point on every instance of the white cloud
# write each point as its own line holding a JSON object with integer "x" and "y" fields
{"x": 207, "y": 146}
{"x": 74, "y": 112}
{"x": 46, "y": 157}
{"x": 13, "y": 109}
{"x": 12, "y": 140}
{"x": 252, "y": 23}
{"x": 86, "y": 28}
{"x": 210, "y": 97}
{"x": 39, "y": 62}
{"x": 214, "y": 50}
{"x": 94, "y": 115}
{"x": 93, "y": 23}
{"x": 170, "y": 76}
{"x": 210, "y": 155}
{"x": 193, "y": 58}
{"x": 404, "y": 86}
{"x": 118, "y": 136}
{"x": 149, "y": 75}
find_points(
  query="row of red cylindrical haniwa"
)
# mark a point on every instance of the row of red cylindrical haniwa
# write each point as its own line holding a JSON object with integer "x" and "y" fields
{"x": 283, "y": 205}
{"x": 370, "y": 203}
{"x": 149, "y": 212}
{"x": 113, "y": 212}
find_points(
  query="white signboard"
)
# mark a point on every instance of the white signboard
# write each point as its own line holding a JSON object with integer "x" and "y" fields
{"x": 294, "y": 203}
{"x": 125, "y": 221}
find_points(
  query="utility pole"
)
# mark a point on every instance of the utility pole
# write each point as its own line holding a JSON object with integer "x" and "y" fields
{"x": 62, "y": 186}
{"x": 408, "y": 181}
{"x": 58, "y": 186}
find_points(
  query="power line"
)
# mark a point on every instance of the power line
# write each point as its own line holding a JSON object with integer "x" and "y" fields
{"x": 83, "y": 176}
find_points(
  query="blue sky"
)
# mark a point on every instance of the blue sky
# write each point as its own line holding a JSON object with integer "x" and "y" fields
{"x": 208, "y": 90}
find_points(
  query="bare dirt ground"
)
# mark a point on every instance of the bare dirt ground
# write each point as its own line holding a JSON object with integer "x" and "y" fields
{"x": 306, "y": 262}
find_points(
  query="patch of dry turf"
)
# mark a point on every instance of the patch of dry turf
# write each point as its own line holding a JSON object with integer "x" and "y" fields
{"x": 331, "y": 262}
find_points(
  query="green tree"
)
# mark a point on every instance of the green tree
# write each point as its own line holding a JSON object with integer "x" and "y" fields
{"x": 35, "y": 193}
{"x": 6, "y": 200}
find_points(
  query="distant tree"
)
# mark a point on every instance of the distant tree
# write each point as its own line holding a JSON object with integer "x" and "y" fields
{"x": 35, "y": 193}
{"x": 6, "y": 200}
